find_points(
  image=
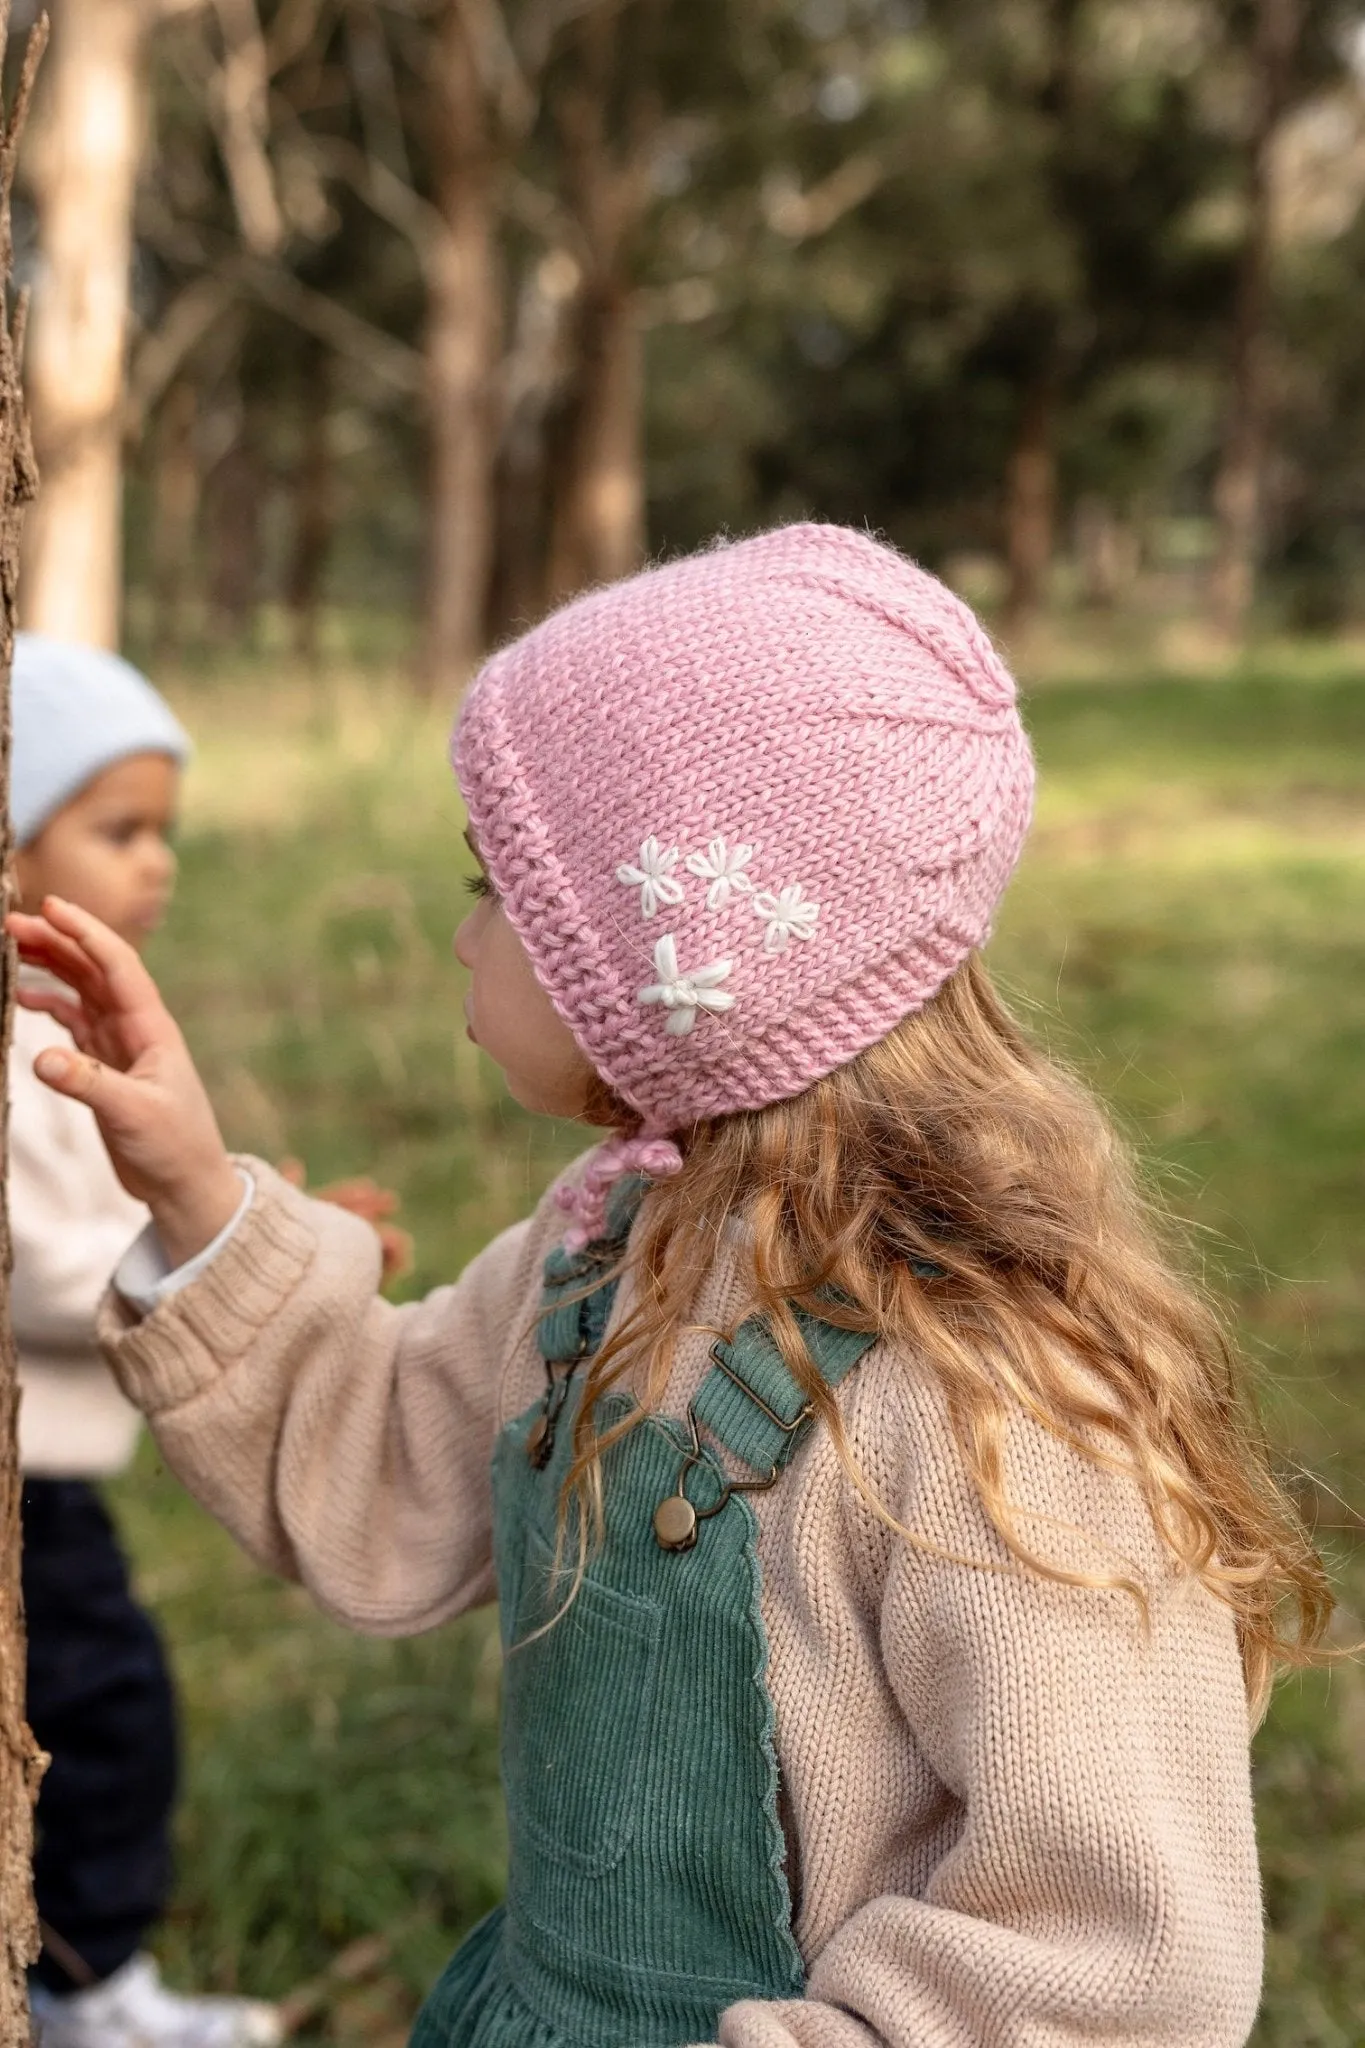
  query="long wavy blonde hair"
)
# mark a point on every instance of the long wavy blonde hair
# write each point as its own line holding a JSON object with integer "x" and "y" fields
{"x": 955, "y": 1141}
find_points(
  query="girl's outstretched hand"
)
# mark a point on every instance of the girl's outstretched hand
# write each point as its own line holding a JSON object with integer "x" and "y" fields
{"x": 133, "y": 1068}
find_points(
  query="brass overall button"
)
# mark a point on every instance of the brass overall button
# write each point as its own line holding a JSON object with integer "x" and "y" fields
{"x": 675, "y": 1523}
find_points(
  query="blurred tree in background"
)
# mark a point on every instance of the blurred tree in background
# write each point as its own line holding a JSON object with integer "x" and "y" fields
{"x": 441, "y": 309}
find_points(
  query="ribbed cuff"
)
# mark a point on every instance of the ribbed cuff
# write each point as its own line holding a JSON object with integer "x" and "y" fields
{"x": 144, "y": 1275}
{"x": 183, "y": 1346}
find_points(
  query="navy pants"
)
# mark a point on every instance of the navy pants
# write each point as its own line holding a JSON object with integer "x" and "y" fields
{"x": 100, "y": 1700}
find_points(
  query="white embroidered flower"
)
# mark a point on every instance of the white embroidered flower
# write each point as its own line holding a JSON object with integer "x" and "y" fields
{"x": 682, "y": 995}
{"x": 787, "y": 915}
{"x": 723, "y": 867}
{"x": 652, "y": 876}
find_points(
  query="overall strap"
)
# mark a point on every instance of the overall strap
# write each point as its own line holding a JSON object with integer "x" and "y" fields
{"x": 749, "y": 1401}
{"x": 573, "y": 1324}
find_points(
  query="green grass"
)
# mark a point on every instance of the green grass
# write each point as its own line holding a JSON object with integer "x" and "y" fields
{"x": 1187, "y": 928}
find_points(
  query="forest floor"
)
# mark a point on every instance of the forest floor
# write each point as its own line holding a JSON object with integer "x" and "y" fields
{"x": 1188, "y": 928}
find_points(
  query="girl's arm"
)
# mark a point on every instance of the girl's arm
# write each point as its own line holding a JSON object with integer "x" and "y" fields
{"x": 343, "y": 1441}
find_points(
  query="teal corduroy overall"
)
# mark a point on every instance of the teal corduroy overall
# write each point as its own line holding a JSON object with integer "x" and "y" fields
{"x": 647, "y": 1887}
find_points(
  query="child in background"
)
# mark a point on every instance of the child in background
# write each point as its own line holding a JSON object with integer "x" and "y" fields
{"x": 887, "y": 1576}
{"x": 96, "y": 768}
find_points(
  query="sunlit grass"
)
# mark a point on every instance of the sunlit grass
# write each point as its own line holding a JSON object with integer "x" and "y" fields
{"x": 1187, "y": 928}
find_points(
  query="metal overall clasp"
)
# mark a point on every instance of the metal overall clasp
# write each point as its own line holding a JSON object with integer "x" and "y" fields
{"x": 677, "y": 1518}
{"x": 540, "y": 1438}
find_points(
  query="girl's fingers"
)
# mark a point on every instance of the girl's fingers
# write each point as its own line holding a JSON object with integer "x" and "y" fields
{"x": 117, "y": 960}
{"x": 105, "y": 971}
{"x": 396, "y": 1252}
{"x": 42, "y": 946}
{"x": 53, "y": 1005}
{"x": 361, "y": 1197}
{"x": 78, "y": 1074}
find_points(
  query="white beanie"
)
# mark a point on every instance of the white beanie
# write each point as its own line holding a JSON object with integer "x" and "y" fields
{"x": 77, "y": 710}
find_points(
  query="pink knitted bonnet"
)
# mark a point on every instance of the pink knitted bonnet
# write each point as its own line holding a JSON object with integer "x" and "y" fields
{"x": 746, "y": 811}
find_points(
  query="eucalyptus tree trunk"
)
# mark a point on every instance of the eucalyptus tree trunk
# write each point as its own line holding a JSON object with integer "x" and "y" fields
{"x": 598, "y": 531}
{"x": 1031, "y": 470}
{"x": 175, "y": 511}
{"x": 21, "y": 1762}
{"x": 1239, "y": 490}
{"x": 84, "y": 168}
{"x": 313, "y": 491}
{"x": 598, "y": 525}
{"x": 1031, "y": 494}
{"x": 460, "y": 354}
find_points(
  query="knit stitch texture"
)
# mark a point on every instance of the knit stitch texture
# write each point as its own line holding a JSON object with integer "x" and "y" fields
{"x": 747, "y": 811}
{"x": 1016, "y": 1817}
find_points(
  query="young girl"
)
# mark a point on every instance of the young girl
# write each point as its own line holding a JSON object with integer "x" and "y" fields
{"x": 888, "y": 1579}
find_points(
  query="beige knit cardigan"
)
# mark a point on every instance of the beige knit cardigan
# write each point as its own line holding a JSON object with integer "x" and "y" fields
{"x": 1014, "y": 1818}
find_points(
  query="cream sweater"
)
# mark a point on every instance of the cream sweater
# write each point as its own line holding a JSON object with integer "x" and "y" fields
{"x": 71, "y": 1223}
{"x": 1014, "y": 1821}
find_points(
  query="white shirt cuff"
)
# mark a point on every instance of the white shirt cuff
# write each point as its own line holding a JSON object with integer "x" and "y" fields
{"x": 145, "y": 1278}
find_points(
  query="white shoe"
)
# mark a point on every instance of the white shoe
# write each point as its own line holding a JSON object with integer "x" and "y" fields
{"x": 133, "y": 2009}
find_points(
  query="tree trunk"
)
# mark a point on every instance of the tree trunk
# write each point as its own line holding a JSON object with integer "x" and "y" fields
{"x": 314, "y": 493}
{"x": 85, "y": 170}
{"x": 1031, "y": 501}
{"x": 21, "y": 1762}
{"x": 463, "y": 333}
{"x": 1031, "y": 471}
{"x": 598, "y": 529}
{"x": 236, "y": 506}
{"x": 175, "y": 512}
{"x": 534, "y": 374}
{"x": 1239, "y": 485}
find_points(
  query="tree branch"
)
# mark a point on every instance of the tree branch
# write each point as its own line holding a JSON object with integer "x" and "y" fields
{"x": 383, "y": 191}
{"x": 291, "y": 33}
{"x": 797, "y": 215}
{"x": 240, "y": 105}
{"x": 17, "y": 118}
{"x": 164, "y": 349}
{"x": 376, "y": 88}
{"x": 390, "y": 362}
{"x": 495, "y": 58}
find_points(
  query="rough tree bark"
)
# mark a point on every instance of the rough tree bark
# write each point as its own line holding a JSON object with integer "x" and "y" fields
{"x": 84, "y": 172}
{"x": 1239, "y": 485}
{"x": 462, "y": 343}
{"x": 21, "y": 1762}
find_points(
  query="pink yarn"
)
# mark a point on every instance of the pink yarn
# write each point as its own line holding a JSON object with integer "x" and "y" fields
{"x": 587, "y": 1203}
{"x": 747, "y": 810}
